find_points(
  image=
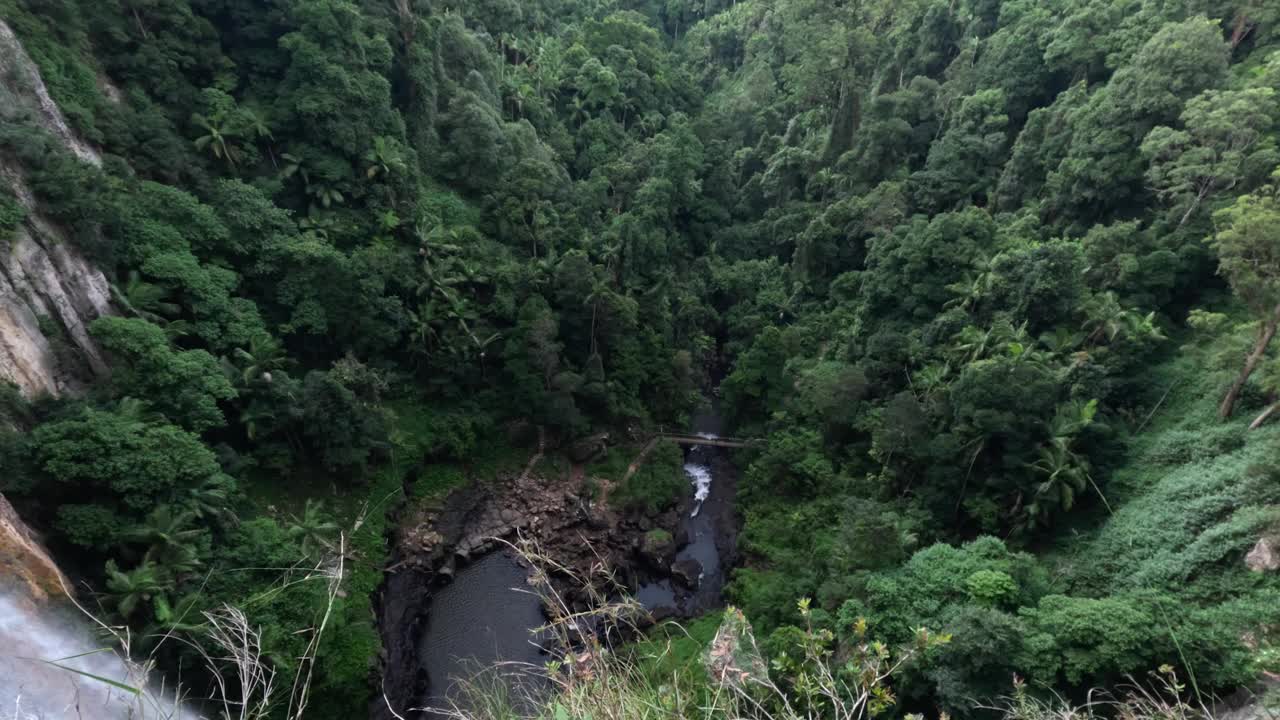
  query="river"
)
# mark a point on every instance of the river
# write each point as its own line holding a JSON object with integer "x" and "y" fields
{"x": 482, "y": 622}
{"x": 441, "y": 631}
{"x": 709, "y": 527}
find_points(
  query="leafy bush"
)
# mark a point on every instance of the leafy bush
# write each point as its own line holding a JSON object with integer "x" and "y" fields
{"x": 1091, "y": 639}
{"x": 119, "y": 457}
{"x": 1178, "y": 447}
{"x": 992, "y": 588}
{"x": 12, "y": 215}
{"x": 659, "y": 482}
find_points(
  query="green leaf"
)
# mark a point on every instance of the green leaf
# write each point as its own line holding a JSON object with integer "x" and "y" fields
{"x": 163, "y": 611}
{"x": 80, "y": 655}
{"x": 99, "y": 678}
{"x": 1088, "y": 411}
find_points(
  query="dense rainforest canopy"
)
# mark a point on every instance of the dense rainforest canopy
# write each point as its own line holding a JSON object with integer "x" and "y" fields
{"x": 986, "y": 274}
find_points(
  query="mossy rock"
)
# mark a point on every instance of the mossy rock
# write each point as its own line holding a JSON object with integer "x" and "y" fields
{"x": 657, "y": 539}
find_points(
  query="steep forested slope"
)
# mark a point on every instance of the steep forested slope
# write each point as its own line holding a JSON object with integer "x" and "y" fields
{"x": 959, "y": 261}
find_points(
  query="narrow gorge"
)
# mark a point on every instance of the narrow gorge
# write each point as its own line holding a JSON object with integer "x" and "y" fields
{"x": 729, "y": 359}
{"x": 458, "y": 601}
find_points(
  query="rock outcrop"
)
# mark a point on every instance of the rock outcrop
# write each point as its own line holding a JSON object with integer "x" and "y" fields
{"x": 49, "y": 292}
{"x": 1264, "y": 557}
{"x": 24, "y": 561}
{"x": 20, "y": 76}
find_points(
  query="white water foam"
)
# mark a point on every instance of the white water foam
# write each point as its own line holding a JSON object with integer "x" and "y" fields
{"x": 34, "y": 690}
{"x": 700, "y": 477}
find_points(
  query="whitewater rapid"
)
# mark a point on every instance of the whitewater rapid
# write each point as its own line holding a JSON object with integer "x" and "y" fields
{"x": 32, "y": 637}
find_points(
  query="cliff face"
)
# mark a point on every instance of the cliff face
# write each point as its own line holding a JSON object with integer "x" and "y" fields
{"x": 49, "y": 292}
{"x": 25, "y": 562}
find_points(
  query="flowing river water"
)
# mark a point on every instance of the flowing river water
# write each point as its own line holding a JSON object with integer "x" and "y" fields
{"x": 481, "y": 623}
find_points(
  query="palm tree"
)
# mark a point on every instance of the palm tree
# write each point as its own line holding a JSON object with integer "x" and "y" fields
{"x": 258, "y": 129}
{"x": 482, "y": 347}
{"x": 1070, "y": 419}
{"x": 144, "y": 300}
{"x": 143, "y": 586}
{"x": 970, "y": 291}
{"x": 1065, "y": 473}
{"x": 168, "y": 535}
{"x": 264, "y": 356}
{"x": 383, "y": 158}
{"x": 182, "y": 616}
{"x": 254, "y": 417}
{"x": 1106, "y": 318}
{"x": 211, "y": 500}
{"x": 327, "y": 194}
{"x": 293, "y": 165}
{"x": 313, "y": 530}
{"x": 137, "y": 411}
{"x": 1062, "y": 340}
{"x": 929, "y": 379}
{"x": 424, "y": 334}
{"x": 323, "y": 192}
{"x": 971, "y": 343}
{"x": 318, "y": 224}
{"x": 578, "y": 113}
{"x": 254, "y": 124}
{"x": 216, "y": 139}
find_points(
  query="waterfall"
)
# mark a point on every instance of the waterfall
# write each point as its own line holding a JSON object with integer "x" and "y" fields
{"x": 39, "y": 627}
{"x": 31, "y": 688}
{"x": 700, "y": 477}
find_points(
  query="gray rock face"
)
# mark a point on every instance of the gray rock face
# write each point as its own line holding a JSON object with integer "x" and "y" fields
{"x": 20, "y": 76}
{"x": 1264, "y": 557}
{"x": 49, "y": 292}
{"x": 687, "y": 572}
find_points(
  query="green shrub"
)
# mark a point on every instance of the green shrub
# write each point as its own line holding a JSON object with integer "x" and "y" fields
{"x": 433, "y": 481}
{"x": 12, "y": 215}
{"x": 660, "y": 482}
{"x": 90, "y": 526}
{"x": 941, "y": 576}
{"x": 1091, "y": 638}
{"x": 1177, "y": 447}
{"x": 1193, "y": 518}
{"x": 991, "y": 587}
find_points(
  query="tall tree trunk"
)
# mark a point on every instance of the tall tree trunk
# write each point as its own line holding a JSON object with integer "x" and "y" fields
{"x": 1258, "y": 421}
{"x": 1242, "y": 27}
{"x": 595, "y": 310}
{"x": 1265, "y": 334}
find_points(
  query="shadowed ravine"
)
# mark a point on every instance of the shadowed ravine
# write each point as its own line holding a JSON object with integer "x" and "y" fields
{"x": 482, "y": 621}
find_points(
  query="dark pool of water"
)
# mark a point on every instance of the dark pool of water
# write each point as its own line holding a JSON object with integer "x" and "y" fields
{"x": 480, "y": 621}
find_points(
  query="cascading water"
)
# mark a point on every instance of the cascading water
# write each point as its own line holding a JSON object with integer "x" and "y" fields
{"x": 700, "y": 477}
{"x": 708, "y": 529}
{"x": 31, "y": 688}
{"x": 52, "y": 664}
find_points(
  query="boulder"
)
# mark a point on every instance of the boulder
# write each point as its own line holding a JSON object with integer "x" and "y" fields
{"x": 1264, "y": 557}
{"x": 688, "y": 572}
{"x": 658, "y": 549}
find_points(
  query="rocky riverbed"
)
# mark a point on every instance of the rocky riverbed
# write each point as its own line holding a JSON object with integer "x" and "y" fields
{"x": 554, "y": 511}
